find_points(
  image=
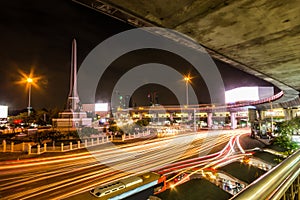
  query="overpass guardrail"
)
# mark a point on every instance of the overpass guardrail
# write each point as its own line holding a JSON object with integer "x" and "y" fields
{"x": 282, "y": 182}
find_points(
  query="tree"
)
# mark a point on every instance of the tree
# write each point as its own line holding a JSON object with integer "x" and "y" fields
{"x": 40, "y": 117}
{"x": 53, "y": 135}
{"x": 142, "y": 122}
{"x": 53, "y": 113}
{"x": 21, "y": 117}
{"x": 128, "y": 128}
{"x": 285, "y": 132}
{"x": 113, "y": 126}
{"x": 87, "y": 132}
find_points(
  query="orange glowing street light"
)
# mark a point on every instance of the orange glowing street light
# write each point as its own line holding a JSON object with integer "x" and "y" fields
{"x": 187, "y": 78}
{"x": 29, "y": 80}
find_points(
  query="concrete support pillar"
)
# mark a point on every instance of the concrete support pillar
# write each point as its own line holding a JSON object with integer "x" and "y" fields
{"x": 123, "y": 137}
{"x": 78, "y": 144}
{"x": 38, "y": 149}
{"x": 12, "y": 147}
{"x": 287, "y": 114}
{"x": 102, "y": 139}
{"x": 140, "y": 116}
{"x": 85, "y": 143}
{"x": 4, "y": 145}
{"x": 45, "y": 147}
{"x": 98, "y": 142}
{"x": 209, "y": 120}
{"x": 92, "y": 141}
{"x": 23, "y": 146}
{"x": 233, "y": 120}
{"x": 261, "y": 115}
{"x": 29, "y": 149}
{"x": 171, "y": 117}
{"x": 294, "y": 113}
{"x": 190, "y": 116}
{"x": 71, "y": 145}
{"x": 107, "y": 138}
{"x": 61, "y": 147}
{"x": 53, "y": 145}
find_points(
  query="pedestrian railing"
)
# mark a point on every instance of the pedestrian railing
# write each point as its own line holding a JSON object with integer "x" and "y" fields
{"x": 32, "y": 148}
{"x": 281, "y": 182}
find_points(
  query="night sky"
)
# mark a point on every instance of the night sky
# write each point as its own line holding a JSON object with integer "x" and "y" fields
{"x": 37, "y": 35}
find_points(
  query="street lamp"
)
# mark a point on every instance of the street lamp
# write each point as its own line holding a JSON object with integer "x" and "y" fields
{"x": 187, "y": 80}
{"x": 29, "y": 81}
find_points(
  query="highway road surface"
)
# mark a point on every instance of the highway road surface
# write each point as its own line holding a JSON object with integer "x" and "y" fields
{"x": 72, "y": 176}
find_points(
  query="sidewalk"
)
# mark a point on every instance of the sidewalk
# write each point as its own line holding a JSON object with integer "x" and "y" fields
{"x": 10, "y": 156}
{"x": 267, "y": 142}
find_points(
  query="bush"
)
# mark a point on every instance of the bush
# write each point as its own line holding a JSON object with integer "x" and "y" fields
{"x": 286, "y": 130}
{"x": 142, "y": 122}
{"x": 87, "y": 132}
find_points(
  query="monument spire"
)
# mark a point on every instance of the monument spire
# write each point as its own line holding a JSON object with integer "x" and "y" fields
{"x": 73, "y": 98}
{"x": 73, "y": 116}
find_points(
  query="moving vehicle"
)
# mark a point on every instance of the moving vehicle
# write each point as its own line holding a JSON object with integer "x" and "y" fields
{"x": 130, "y": 186}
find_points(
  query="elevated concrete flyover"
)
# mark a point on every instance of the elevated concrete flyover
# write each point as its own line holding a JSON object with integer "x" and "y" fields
{"x": 260, "y": 37}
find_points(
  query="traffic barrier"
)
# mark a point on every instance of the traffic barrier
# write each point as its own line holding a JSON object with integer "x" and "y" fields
{"x": 62, "y": 147}
{"x": 38, "y": 149}
{"x": 29, "y": 149}
{"x": 4, "y": 145}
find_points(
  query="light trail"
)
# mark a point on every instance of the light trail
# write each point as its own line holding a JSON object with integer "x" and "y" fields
{"x": 239, "y": 145}
{"x": 226, "y": 155}
{"x": 62, "y": 176}
{"x": 195, "y": 161}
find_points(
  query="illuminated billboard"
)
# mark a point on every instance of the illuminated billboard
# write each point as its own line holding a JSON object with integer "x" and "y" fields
{"x": 101, "y": 107}
{"x": 248, "y": 94}
{"x": 3, "y": 111}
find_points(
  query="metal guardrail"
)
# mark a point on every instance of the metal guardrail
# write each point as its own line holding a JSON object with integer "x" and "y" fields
{"x": 282, "y": 182}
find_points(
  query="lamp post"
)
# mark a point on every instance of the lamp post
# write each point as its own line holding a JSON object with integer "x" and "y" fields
{"x": 29, "y": 81}
{"x": 187, "y": 80}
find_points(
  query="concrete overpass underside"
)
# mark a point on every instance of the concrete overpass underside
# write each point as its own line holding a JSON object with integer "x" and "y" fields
{"x": 260, "y": 37}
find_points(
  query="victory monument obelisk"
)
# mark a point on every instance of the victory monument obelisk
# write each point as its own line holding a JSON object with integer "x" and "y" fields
{"x": 73, "y": 103}
{"x": 73, "y": 116}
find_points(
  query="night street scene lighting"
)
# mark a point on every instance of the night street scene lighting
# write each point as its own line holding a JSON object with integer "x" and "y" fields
{"x": 130, "y": 100}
